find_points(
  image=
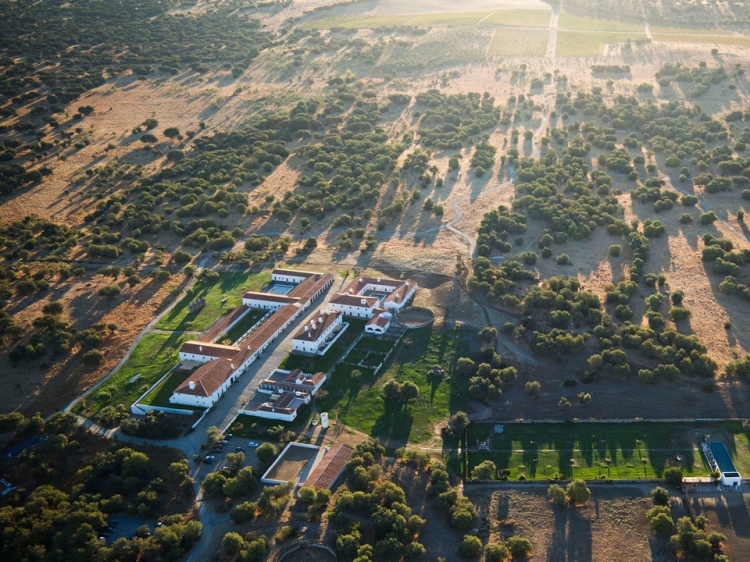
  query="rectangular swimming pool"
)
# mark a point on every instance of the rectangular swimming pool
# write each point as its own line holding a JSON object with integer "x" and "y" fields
{"x": 278, "y": 288}
{"x": 721, "y": 455}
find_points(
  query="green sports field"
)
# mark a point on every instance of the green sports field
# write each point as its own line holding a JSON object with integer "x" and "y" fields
{"x": 603, "y": 450}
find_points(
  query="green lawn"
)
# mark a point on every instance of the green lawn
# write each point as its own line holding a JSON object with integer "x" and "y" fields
{"x": 323, "y": 363}
{"x": 247, "y": 322}
{"x": 374, "y": 344}
{"x": 617, "y": 451}
{"x": 154, "y": 355}
{"x": 361, "y": 404}
{"x": 160, "y": 395}
{"x": 222, "y": 297}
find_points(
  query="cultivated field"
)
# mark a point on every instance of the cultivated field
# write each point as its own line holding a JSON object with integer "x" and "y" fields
{"x": 522, "y": 18}
{"x": 590, "y": 43}
{"x": 519, "y": 42}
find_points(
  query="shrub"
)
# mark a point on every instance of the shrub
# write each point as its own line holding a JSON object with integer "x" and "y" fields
{"x": 577, "y": 492}
{"x": 532, "y": 388}
{"x": 557, "y": 495}
{"x": 562, "y": 259}
{"x": 518, "y": 547}
{"x": 54, "y": 308}
{"x": 181, "y": 256}
{"x": 678, "y": 313}
{"x": 673, "y": 476}
{"x": 614, "y": 250}
{"x": 495, "y": 553}
{"x": 708, "y": 218}
{"x": 470, "y": 547}
{"x": 110, "y": 292}
{"x": 484, "y": 471}
{"x": 92, "y": 358}
{"x": 662, "y": 524}
{"x": 660, "y": 496}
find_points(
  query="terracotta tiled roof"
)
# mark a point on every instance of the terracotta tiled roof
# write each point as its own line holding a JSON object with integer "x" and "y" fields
{"x": 399, "y": 295}
{"x": 209, "y": 349}
{"x": 352, "y": 300}
{"x": 270, "y": 297}
{"x": 262, "y": 333}
{"x": 294, "y": 273}
{"x": 380, "y": 320}
{"x": 330, "y": 467}
{"x": 306, "y": 289}
{"x": 220, "y": 326}
{"x": 317, "y": 325}
{"x": 361, "y": 282}
{"x": 207, "y": 378}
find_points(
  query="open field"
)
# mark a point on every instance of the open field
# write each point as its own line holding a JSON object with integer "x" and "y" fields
{"x": 222, "y": 297}
{"x": 154, "y": 355}
{"x": 519, "y": 42}
{"x": 521, "y": 18}
{"x": 361, "y": 403}
{"x": 357, "y": 22}
{"x": 570, "y": 20}
{"x": 712, "y": 39}
{"x": 291, "y": 463}
{"x": 450, "y": 19}
{"x": 590, "y": 43}
{"x": 611, "y": 526}
{"x": 688, "y": 30}
{"x": 612, "y": 451}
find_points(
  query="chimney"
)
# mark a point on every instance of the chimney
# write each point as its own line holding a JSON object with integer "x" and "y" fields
{"x": 191, "y": 385}
{"x": 231, "y": 365}
{"x": 378, "y": 279}
{"x": 200, "y": 348}
{"x": 363, "y": 301}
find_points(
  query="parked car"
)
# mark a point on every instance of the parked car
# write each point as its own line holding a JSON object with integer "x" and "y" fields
{"x": 159, "y": 524}
{"x": 209, "y": 459}
{"x": 224, "y": 442}
{"x": 252, "y": 444}
{"x": 113, "y": 523}
{"x": 239, "y": 450}
{"x": 228, "y": 436}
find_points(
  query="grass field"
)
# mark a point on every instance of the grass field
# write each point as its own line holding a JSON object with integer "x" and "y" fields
{"x": 688, "y": 30}
{"x": 357, "y": 22}
{"x": 160, "y": 395}
{"x": 521, "y": 18}
{"x": 509, "y": 42}
{"x": 374, "y": 344}
{"x": 449, "y": 19}
{"x": 617, "y": 451}
{"x": 154, "y": 355}
{"x": 247, "y": 322}
{"x": 587, "y": 44}
{"x": 713, "y": 39}
{"x": 575, "y": 21}
{"x": 361, "y": 404}
{"x": 229, "y": 286}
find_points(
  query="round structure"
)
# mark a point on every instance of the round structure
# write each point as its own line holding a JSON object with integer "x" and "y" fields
{"x": 416, "y": 317}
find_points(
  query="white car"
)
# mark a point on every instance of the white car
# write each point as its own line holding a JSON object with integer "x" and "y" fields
{"x": 252, "y": 444}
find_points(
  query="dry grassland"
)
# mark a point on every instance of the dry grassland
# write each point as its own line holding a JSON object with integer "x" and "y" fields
{"x": 712, "y": 39}
{"x": 520, "y": 18}
{"x": 519, "y": 42}
{"x": 569, "y": 20}
{"x": 611, "y": 526}
{"x": 590, "y": 43}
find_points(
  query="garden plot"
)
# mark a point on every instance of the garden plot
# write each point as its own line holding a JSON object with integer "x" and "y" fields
{"x": 510, "y": 42}
{"x": 736, "y": 40}
{"x": 450, "y": 19}
{"x": 590, "y": 43}
{"x": 569, "y": 20}
{"x": 369, "y": 352}
{"x": 520, "y": 18}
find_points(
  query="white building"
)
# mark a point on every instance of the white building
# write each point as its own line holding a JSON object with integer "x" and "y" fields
{"x": 206, "y": 385}
{"x": 317, "y": 332}
{"x": 379, "y": 323}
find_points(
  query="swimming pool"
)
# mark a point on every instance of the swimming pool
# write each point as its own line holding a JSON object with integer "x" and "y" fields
{"x": 279, "y": 288}
{"x": 721, "y": 456}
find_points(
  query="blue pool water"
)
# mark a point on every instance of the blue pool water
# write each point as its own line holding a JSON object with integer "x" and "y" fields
{"x": 721, "y": 455}
{"x": 278, "y": 288}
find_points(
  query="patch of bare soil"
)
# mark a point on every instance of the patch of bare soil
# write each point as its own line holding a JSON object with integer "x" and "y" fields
{"x": 728, "y": 514}
{"x": 309, "y": 555}
{"x": 50, "y": 382}
{"x": 611, "y": 526}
